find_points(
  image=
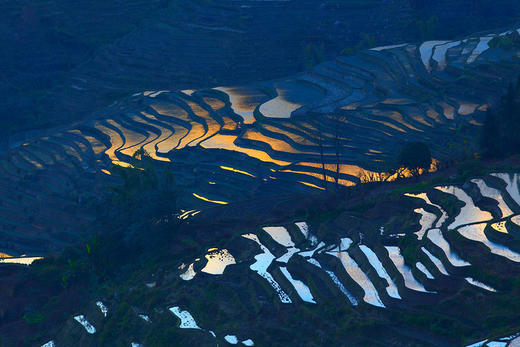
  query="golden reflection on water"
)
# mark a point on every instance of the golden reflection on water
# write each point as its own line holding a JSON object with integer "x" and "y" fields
{"x": 347, "y": 169}
{"x": 311, "y": 185}
{"x": 149, "y": 147}
{"x": 295, "y": 137}
{"x": 396, "y": 116}
{"x": 431, "y": 113}
{"x": 227, "y": 168}
{"x": 197, "y": 131}
{"x": 447, "y": 109}
{"x": 388, "y": 124}
{"x": 214, "y": 103}
{"x": 227, "y": 142}
{"x": 131, "y": 138}
{"x": 208, "y": 200}
{"x": 279, "y": 107}
{"x": 274, "y": 143}
{"x": 173, "y": 141}
{"x": 243, "y": 102}
{"x": 122, "y": 163}
{"x": 115, "y": 140}
{"x": 33, "y": 162}
{"x": 420, "y": 118}
{"x": 171, "y": 110}
{"x": 330, "y": 178}
{"x": 96, "y": 146}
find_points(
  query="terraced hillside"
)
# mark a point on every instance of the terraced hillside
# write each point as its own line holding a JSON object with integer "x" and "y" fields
{"x": 451, "y": 279}
{"x": 307, "y": 132}
{"x": 62, "y": 60}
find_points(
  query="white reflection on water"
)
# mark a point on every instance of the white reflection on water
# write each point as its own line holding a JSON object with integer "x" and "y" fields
{"x": 189, "y": 273}
{"x": 516, "y": 220}
{"x": 439, "y": 54}
{"x": 263, "y": 260}
{"x": 19, "y": 260}
{"x": 424, "y": 197}
{"x": 304, "y": 228}
{"x": 344, "y": 290}
{"x": 218, "y": 260}
{"x": 102, "y": 308}
{"x": 391, "y": 289}
{"x": 435, "y": 235}
{"x": 336, "y": 281}
{"x": 469, "y": 213}
{"x": 232, "y": 339}
{"x": 301, "y": 288}
{"x": 482, "y": 46}
{"x": 187, "y": 321}
{"x": 145, "y": 317}
{"x": 475, "y": 232}
{"x": 426, "y": 50}
{"x": 494, "y": 194}
{"x": 436, "y": 261}
{"x": 278, "y": 107}
{"x": 479, "y": 284}
{"x": 85, "y": 323}
{"x": 409, "y": 279}
{"x": 248, "y": 342}
{"x": 420, "y": 266}
{"x": 312, "y": 251}
{"x": 512, "y": 184}
{"x": 426, "y": 221}
{"x": 282, "y": 236}
{"x": 384, "y": 48}
{"x": 354, "y": 271}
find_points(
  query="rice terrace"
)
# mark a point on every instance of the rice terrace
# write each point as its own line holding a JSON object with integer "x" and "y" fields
{"x": 260, "y": 173}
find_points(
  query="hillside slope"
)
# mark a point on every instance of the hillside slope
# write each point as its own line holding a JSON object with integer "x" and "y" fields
{"x": 435, "y": 264}
{"x": 307, "y": 132}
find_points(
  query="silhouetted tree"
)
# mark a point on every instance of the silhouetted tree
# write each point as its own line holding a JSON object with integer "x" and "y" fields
{"x": 415, "y": 156}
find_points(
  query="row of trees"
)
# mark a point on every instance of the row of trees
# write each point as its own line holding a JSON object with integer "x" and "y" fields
{"x": 501, "y": 131}
{"x": 413, "y": 159}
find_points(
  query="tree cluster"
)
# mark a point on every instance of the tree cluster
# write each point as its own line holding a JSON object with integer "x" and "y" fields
{"x": 416, "y": 157}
